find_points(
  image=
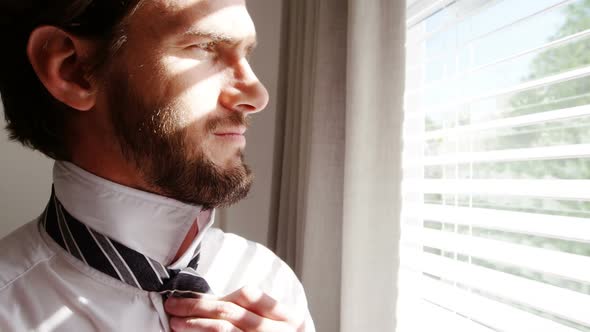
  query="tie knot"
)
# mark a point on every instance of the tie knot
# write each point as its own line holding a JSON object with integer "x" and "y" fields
{"x": 185, "y": 283}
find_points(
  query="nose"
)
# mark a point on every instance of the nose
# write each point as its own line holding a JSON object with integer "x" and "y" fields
{"x": 244, "y": 91}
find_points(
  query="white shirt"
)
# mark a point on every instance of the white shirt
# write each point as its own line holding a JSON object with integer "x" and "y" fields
{"x": 44, "y": 288}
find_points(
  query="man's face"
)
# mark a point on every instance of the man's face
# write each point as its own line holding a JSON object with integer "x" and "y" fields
{"x": 179, "y": 94}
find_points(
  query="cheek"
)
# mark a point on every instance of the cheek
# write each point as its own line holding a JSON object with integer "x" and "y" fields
{"x": 201, "y": 99}
{"x": 198, "y": 101}
{"x": 195, "y": 83}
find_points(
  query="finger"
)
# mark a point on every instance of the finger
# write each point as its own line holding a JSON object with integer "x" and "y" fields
{"x": 261, "y": 304}
{"x": 178, "y": 324}
{"x": 221, "y": 310}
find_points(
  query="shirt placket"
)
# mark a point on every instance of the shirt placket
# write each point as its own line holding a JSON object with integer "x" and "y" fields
{"x": 158, "y": 304}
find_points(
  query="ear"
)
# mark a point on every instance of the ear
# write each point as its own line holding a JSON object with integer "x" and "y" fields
{"x": 59, "y": 59}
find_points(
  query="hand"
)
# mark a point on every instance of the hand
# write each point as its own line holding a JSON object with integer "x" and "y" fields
{"x": 246, "y": 310}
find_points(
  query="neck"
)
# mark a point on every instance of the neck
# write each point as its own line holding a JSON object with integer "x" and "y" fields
{"x": 190, "y": 237}
{"x": 102, "y": 157}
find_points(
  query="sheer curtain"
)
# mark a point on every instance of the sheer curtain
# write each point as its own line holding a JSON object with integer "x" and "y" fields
{"x": 337, "y": 175}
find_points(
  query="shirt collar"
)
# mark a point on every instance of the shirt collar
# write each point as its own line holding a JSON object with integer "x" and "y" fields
{"x": 148, "y": 223}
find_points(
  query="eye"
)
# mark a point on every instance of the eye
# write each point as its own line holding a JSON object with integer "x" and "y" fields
{"x": 207, "y": 50}
{"x": 209, "y": 46}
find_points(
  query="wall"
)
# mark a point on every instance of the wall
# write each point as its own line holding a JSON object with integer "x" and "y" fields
{"x": 25, "y": 183}
{"x": 25, "y": 176}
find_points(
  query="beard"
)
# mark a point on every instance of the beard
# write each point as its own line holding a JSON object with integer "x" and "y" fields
{"x": 153, "y": 138}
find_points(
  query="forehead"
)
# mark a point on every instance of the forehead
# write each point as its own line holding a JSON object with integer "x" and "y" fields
{"x": 178, "y": 17}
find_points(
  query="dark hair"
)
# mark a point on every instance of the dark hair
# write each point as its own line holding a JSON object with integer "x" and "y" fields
{"x": 34, "y": 117}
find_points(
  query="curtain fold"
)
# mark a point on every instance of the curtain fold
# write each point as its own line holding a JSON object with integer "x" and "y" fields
{"x": 336, "y": 177}
{"x": 372, "y": 180}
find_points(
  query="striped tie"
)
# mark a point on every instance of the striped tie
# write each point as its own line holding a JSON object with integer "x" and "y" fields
{"x": 119, "y": 261}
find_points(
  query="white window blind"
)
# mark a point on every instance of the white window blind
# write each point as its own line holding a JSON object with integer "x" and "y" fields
{"x": 496, "y": 189}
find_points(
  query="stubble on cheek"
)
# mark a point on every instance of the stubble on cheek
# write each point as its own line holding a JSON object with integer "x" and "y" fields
{"x": 173, "y": 149}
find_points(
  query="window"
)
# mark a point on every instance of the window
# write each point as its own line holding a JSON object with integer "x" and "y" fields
{"x": 496, "y": 192}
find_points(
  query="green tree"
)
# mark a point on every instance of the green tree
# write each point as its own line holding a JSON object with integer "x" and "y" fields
{"x": 576, "y": 92}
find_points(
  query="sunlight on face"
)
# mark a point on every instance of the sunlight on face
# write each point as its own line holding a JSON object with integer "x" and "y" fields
{"x": 211, "y": 76}
{"x": 181, "y": 93}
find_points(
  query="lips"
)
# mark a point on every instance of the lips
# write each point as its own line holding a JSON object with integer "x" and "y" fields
{"x": 239, "y": 131}
{"x": 228, "y": 134}
{"x": 234, "y": 136}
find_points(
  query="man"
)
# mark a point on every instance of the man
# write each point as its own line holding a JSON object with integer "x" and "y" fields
{"x": 143, "y": 105}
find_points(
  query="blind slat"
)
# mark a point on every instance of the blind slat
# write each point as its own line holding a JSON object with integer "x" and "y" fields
{"x": 570, "y": 266}
{"x": 433, "y": 317}
{"x": 545, "y": 81}
{"x": 495, "y": 314}
{"x": 419, "y": 315}
{"x": 561, "y": 189}
{"x": 563, "y": 303}
{"x": 542, "y": 153}
{"x": 536, "y": 118}
{"x": 562, "y": 227}
{"x": 421, "y": 9}
{"x": 554, "y": 43}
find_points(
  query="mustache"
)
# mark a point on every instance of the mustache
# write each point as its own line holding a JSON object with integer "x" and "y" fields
{"x": 235, "y": 119}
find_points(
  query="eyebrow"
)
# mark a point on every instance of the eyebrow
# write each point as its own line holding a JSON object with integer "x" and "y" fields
{"x": 220, "y": 38}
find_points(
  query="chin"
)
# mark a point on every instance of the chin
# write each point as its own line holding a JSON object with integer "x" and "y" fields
{"x": 228, "y": 161}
